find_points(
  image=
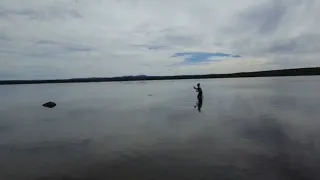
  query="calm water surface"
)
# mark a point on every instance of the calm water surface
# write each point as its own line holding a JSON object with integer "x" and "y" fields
{"x": 263, "y": 128}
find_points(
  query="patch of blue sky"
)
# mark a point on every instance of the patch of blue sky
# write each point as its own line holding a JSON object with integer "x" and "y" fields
{"x": 204, "y": 57}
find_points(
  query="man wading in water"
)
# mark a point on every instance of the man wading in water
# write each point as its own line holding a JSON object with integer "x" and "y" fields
{"x": 200, "y": 97}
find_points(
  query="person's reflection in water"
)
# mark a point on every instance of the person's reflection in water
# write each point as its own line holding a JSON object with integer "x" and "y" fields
{"x": 199, "y": 97}
{"x": 199, "y": 104}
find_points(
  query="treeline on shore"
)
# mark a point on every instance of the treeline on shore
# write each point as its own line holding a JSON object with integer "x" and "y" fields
{"x": 272, "y": 73}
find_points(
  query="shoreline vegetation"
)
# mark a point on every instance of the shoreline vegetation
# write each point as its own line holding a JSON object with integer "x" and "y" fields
{"x": 271, "y": 73}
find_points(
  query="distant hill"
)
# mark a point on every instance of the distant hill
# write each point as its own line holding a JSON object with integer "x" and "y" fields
{"x": 285, "y": 72}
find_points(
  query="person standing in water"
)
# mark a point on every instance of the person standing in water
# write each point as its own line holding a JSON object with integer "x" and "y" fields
{"x": 200, "y": 97}
{"x": 199, "y": 90}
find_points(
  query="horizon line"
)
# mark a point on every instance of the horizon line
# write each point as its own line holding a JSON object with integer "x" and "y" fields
{"x": 185, "y": 76}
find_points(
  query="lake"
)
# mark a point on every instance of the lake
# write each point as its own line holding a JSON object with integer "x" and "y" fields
{"x": 250, "y": 128}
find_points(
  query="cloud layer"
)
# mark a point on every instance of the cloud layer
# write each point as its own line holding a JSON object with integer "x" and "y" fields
{"x": 90, "y": 38}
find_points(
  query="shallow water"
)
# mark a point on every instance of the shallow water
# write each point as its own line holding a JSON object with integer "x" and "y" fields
{"x": 255, "y": 128}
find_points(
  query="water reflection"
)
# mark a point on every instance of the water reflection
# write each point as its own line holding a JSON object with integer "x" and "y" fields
{"x": 199, "y": 104}
{"x": 250, "y": 129}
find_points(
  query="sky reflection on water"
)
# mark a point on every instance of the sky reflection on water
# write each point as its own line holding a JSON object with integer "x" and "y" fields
{"x": 264, "y": 128}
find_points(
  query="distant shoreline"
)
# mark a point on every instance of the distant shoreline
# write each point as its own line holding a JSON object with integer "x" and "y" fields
{"x": 271, "y": 73}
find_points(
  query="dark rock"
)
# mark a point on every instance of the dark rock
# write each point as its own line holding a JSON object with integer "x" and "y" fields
{"x": 49, "y": 104}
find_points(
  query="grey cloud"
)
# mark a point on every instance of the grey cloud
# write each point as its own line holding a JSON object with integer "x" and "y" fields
{"x": 10, "y": 75}
{"x": 67, "y": 46}
{"x": 3, "y": 37}
{"x": 48, "y": 13}
{"x": 306, "y": 43}
{"x": 44, "y": 48}
{"x": 152, "y": 47}
{"x": 265, "y": 18}
{"x": 47, "y": 42}
{"x": 4, "y": 45}
{"x": 156, "y": 47}
{"x": 274, "y": 27}
{"x": 270, "y": 16}
{"x": 80, "y": 49}
{"x": 175, "y": 37}
{"x": 8, "y": 51}
{"x": 295, "y": 61}
{"x": 164, "y": 38}
{"x": 56, "y": 49}
{"x": 118, "y": 37}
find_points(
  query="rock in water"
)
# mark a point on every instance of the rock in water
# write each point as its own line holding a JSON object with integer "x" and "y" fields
{"x": 49, "y": 105}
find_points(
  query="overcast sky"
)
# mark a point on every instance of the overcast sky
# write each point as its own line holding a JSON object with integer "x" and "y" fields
{"x": 41, "y": 39}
